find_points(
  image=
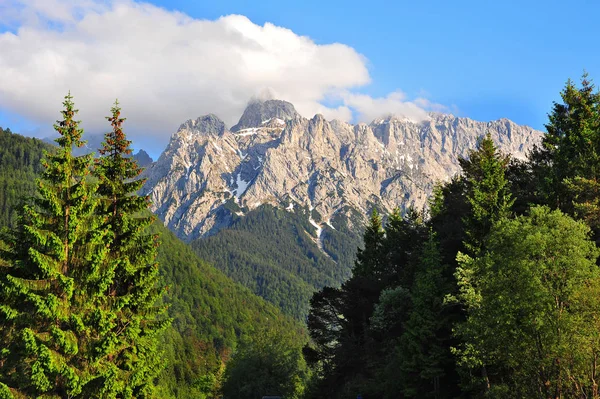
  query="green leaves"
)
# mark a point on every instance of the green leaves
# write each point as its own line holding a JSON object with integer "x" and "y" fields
{"x": 525, "y": 308}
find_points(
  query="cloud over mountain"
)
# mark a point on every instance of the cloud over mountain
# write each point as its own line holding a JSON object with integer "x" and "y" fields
{"x": 165, "y": 66}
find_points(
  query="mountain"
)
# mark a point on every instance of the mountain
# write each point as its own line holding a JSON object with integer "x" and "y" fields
{"x": 311, "y": 181}
{"x": 209, "y": 173}
{"x": 210, "y": 312}
{"x": 142, "y": 158}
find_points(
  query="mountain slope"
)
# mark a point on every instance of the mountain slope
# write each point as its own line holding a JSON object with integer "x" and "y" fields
{"x": 270, "y": 251}
{"x": 210, "y": 312}
{"x": 279, "y": 201}
{"x": 210, "y": 315}
{"x": 19, "y": 166}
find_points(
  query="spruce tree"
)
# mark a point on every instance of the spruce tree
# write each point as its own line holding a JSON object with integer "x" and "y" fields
{"x": 369, "y": 260}
{"x": 488, "y": 195}
{"x": 488, "y": 191}
{"x": 51, "y": 328}
{"x": 132, "y": 292}
{"x": 423, "y": 349}
{"x": 567, "y": 164}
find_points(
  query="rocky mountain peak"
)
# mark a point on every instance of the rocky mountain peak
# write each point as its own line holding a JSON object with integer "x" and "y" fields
{"x": 258, "y": 113}
{"x": 208, "y": 124}
{"x": 330, "y": 170}
{"x": 142, "y": 158}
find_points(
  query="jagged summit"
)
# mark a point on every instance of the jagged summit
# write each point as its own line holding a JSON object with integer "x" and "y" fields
{"x": 142, "y": 158}
{"x": 259, "y": 112}
{"x": 208, "y": 175}
{"x": 209, "y": 124}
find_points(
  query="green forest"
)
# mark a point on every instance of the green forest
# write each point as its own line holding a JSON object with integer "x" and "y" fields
{"x": 270, "y": 251}
{"x": 205, "y": 316}
{"x": 493, "y": 291}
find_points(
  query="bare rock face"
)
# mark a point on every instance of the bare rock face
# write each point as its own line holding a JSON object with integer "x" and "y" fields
{"x": 259, "y": 112}
{"x": 274, "y": 156}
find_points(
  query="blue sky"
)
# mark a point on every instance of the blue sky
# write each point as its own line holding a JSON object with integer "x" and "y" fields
{"x": 490, "y": 59}
{"x": 480, "y": 59}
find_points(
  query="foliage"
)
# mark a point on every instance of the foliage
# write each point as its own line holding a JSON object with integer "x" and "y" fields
{"x": 271, "y": 364}
{"x": 487, "y": 191}
{"x": 131, "y": 268}
{"x": 568, "y": 162}
{"x": 20, "y": 165}
{"x": 58, "y": 332}
{"x": 532, "y": 303}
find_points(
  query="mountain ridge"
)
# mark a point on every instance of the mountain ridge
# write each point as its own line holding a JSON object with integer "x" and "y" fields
{"x": 273, "y": 155}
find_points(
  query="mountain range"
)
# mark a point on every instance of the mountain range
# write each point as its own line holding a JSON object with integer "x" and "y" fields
{"x": 313, "y": 181}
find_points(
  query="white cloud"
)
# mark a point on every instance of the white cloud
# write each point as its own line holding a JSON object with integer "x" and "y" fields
{"x": 395, "y": 103}
{"x": 166, "y": 67}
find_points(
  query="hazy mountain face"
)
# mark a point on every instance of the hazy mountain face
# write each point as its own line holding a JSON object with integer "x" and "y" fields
{"x": 209, "y": 173}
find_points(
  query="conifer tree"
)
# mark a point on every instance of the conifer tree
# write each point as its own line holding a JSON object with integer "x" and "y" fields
{"x": 488, "y": 195}
{"x": 568, "y": 163}
{"x": 51, "y": 329}
{"x": 132, "y": 273}
{"x": 423, "y": 349}
{"x": 488, "y": 191}
{"x": 369, "y": 260}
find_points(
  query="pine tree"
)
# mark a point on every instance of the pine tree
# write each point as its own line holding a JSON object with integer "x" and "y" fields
{"x": 488, "y": 191}
{"x": 423, "y": 349}
{"x": 369, "y": 260}
{"x": 339, "y": 319}
{"x": 568, "y": 163}
{"x": 50, "y": 325}
{"x": 132, "y": 271}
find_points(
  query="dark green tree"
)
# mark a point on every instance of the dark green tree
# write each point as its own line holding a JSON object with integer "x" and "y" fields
{"x": 424, "y": 348}
{"x": 567, "y": 165}
{"x": 51, "y": 328}
{"x": 487, "y": 191}
{"x": 370, "y": 258}
{"x": 339, "y": 320}
{"x": 132, "y": 292}
{"x": 270, "y": 364}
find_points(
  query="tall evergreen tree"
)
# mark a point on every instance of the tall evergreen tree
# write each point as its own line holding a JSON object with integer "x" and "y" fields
{"x": 370, "y": 259}
{"x": 488, "y": 191}
{"x": 423, "y": 349}
{"x": 567, "y": 164}
{"x": 132, "y": 272}
{"x": 51, "y": 328}
{"x": 339, "y": 319}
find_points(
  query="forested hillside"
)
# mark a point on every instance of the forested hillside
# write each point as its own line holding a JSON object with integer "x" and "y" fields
{"x": 20, "y": 164}
{"x": 270, "y": 251}
{"x": 212, "y": 316}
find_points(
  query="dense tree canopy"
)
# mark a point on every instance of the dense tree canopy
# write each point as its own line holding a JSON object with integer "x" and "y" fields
{"x": 490, "y": 295}
{"x": 210, "y": 312}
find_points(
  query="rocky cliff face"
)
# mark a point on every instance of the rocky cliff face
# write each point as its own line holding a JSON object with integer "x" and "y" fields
{"x": 331, "y": 169}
